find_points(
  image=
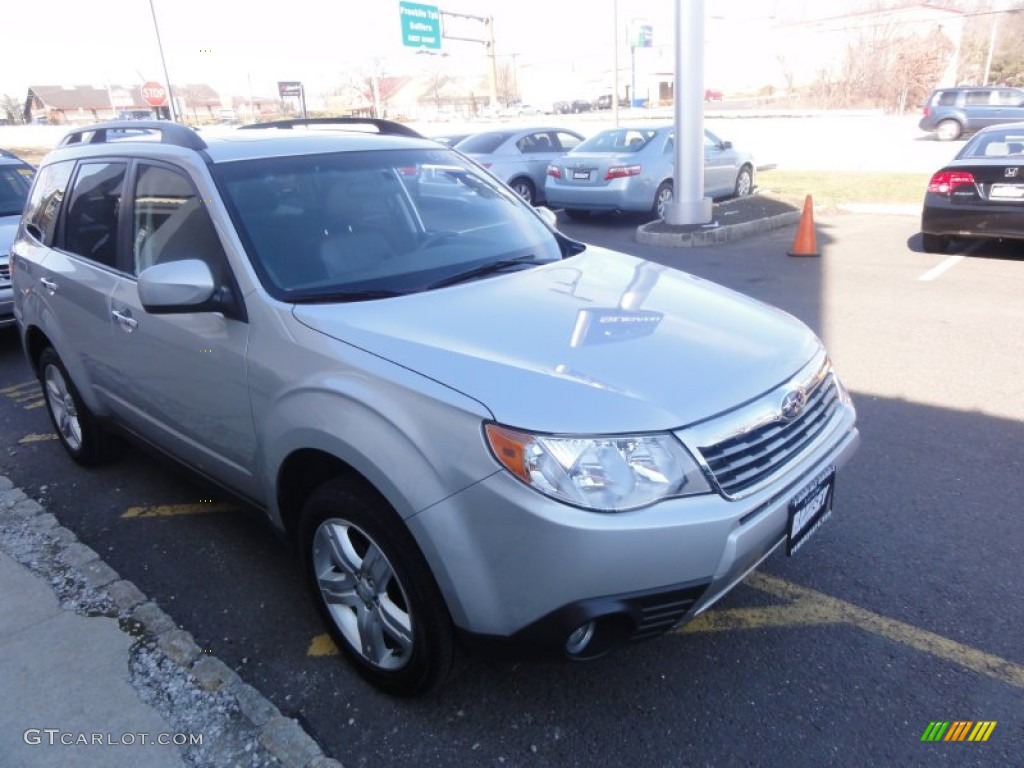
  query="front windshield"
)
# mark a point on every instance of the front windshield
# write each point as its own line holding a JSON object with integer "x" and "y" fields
{"x": 998, "y": 144}
{"x": 618, "y": 140}
{"x": 15, "y": 181}
{"x": 357, "y": 225}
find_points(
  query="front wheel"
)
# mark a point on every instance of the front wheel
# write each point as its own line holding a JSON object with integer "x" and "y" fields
{"x": 524, "y": 188}
{"x": 662, "y": 198}
{"x": 77, "y": 428}
{"x": 375, "y": 591}
{"x": 744, "y": 182}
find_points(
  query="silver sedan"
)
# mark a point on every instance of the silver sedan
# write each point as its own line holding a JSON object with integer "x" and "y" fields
{"x": 520, "y": 156}
{"x": 632, "y": 169}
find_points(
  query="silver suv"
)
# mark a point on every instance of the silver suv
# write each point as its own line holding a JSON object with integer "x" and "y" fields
{"x": 477, "y": 430}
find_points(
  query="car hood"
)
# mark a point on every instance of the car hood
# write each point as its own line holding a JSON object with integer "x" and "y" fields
{"x": 600, "y": 342}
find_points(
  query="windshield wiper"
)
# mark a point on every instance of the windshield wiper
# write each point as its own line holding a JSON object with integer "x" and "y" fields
{"x": 345, "y": 296}
{"x": 501, "y": 265}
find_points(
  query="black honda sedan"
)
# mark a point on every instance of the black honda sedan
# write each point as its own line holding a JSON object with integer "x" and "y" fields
{"x": 980, "y": 193}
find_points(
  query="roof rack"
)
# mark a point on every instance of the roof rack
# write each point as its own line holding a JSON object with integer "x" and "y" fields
{"x": 388, "y": 127}
{"x": 170, "y": 133}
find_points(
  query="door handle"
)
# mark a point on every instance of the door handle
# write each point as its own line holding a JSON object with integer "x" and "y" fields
{"x": 125, "y": 320}
{"x": 49, "y": 285}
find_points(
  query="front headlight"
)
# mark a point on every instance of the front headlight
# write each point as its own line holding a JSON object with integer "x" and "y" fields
{"x": 610, "y": 474}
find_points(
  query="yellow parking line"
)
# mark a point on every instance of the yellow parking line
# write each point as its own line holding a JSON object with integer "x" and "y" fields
{"x": 33, "y": 438}
{"x": 322, "y": 645}
{"x": 174, "y": 510}
{"x": 803, "y": 613}
{"x": 16, "y": 387}
{"x": 922, "y": 640}
{"x": 811, "y": 608}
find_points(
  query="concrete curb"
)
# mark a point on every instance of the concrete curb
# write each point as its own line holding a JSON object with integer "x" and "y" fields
{"x": 239, "y": 715}
{"x": 691, "y": 238}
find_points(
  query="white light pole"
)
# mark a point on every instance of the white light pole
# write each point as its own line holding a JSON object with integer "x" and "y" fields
{"x": 689, "y": 205}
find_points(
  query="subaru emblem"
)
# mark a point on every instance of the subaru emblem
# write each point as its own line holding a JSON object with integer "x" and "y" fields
{"x": 793, "y": 404}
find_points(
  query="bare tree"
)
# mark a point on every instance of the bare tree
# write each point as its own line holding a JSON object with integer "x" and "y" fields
{"x": 12, "y": 110}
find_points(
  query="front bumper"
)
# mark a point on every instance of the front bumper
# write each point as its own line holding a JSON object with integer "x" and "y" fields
{"x": 521, "y": 571}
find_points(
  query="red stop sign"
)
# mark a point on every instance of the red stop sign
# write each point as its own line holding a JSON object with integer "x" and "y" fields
{"x": 154, "y": 94}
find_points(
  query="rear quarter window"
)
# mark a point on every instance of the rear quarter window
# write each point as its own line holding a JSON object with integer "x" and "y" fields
{"x": 45, "y": 200}
{"x": 945, "y": 98}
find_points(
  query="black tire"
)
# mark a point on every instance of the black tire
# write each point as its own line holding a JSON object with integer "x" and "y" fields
{"x": 578, "y": 214}
{"x": 934, "y": 243}
{"x": 524, "y": 188}
{"x": 388, "y": 618}
{"x": 948, "y": 130}
{"x": 744, "y": 182}
{"x": 662, "y": 197}
{"x": 77, "y": 429}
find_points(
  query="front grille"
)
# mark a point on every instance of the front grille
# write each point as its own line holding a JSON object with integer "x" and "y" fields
{"x": 742, "y": 461}
{"x": 5, "y": 273}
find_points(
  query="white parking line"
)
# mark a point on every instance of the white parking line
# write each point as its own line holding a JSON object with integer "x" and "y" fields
{"x": 942, "y": 266}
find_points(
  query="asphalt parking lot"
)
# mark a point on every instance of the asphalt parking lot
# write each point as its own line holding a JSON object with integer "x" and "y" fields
{"x": 903, "y": 609}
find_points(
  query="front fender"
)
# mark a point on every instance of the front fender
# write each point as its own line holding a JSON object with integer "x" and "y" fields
{"x": 416, "y": 441}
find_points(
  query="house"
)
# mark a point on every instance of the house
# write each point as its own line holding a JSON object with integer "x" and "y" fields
{"x": 84, "y": 104}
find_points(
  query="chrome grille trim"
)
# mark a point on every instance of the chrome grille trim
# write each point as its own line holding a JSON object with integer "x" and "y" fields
{"x": 744, "y": 450}
{"x": 743, "y": 461}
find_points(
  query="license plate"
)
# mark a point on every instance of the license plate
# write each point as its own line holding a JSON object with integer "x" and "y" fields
{"x": 581, "y": 175}
{"x": 809, "y": 509}
{"x": 1006, "y": 192}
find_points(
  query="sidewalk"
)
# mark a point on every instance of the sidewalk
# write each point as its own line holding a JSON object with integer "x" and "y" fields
{"x": 95, "y": 675}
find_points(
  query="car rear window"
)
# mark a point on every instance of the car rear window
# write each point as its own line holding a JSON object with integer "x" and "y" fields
{"x": 618, "y": 140}
{"x": 1006, "y": 143}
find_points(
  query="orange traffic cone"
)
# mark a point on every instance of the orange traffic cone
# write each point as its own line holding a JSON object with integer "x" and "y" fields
{"x": 805, "y": 243}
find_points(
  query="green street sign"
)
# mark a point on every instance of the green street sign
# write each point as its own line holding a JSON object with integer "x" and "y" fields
{"x": 421, "y": 25}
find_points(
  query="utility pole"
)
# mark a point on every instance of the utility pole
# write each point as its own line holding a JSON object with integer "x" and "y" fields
{"x": 163, "y": 62}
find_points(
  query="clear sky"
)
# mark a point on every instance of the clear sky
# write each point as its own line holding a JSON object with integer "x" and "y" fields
{"x": 231, "y": 45}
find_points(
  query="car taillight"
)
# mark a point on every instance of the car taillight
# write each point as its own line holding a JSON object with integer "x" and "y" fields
{"x": 945, "y": 182}
{"x": 554, "y": 172}
{"x": 927, "y": 110}
{"x": 621, "y": 171}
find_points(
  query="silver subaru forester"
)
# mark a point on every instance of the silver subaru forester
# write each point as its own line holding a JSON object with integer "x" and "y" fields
{"x": 477, "y": 430}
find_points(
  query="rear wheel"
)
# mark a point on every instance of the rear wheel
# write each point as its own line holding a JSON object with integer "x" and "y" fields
{"x": 524, "y": 188}
{"x": 577, "y": 213}
{"x": 948, "y": 130}
{"x": 934, "y": 243}
{"x": 77, "y": 428}
{"x": 375, "y": 590}
{"x": 662, "y": 198}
